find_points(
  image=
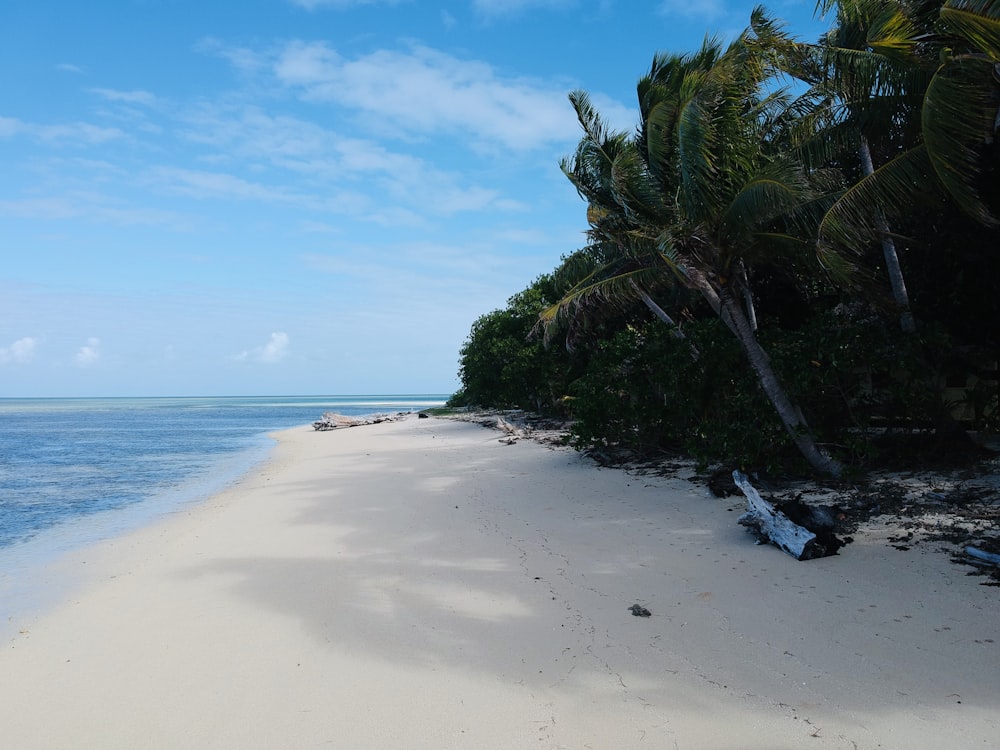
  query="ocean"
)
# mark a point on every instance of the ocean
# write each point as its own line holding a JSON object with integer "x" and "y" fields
{"x": 77, "y": 470}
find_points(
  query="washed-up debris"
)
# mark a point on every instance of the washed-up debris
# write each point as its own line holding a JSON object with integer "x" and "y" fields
{"x": 333, "y": 421}
{"x": 982, "y": 556}
{"x": 804, "y": 532}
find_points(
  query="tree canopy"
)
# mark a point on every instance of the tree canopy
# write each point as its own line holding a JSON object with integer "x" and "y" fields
{"x": 747, "y": 246}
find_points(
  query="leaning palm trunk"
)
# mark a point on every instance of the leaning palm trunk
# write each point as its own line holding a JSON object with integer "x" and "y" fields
{"x": 899, "y": 293}
{"x": 791, "y": 416}
{"x": 730, "y": 312}
{"x": 659, "y": 312}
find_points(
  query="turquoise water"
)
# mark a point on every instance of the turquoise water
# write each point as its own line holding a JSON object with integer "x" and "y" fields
{"x": 84, "y": 463}
{"x": 77, "y": 471}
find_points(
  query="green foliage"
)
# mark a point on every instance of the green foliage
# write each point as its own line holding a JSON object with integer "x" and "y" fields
{"x": 648, "y": 391}
{"x": 858, "y": 377}
{"x": 730, "y": 191}
{"x": 858, "y": 380}
{"x": 505, "y": 364}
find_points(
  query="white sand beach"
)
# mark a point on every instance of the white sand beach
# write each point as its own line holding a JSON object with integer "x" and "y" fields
{"x": 418, "y": 584}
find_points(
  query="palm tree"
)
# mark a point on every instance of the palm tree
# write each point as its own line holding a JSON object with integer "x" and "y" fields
{"x": 918, "y": 83}
{"x": 866, "y": 89}
{"x": 699, "y": 196}
{"x": 921, "y": 80}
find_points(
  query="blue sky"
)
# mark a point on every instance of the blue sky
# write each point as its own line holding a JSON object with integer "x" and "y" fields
{"x": 296, "y": 196}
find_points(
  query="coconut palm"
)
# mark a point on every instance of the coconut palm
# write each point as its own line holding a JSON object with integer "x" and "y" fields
{"x": 917, "y": 81}
{"x": 867, "y": 91}
{"x": 701, "y": 195}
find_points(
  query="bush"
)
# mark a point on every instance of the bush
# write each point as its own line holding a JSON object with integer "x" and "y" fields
{"x": 504, "y": 364}
{"x": 647, "y": 391}
{"x": 855, "y": 377}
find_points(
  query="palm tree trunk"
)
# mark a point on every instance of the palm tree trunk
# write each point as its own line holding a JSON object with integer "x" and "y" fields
{"x": 790, "y": 415}
{"x": 945, "y": 423}
{"x": 658, "y": 311}
{"x": 899, "y": 293}
{"x": 747, "y": 297}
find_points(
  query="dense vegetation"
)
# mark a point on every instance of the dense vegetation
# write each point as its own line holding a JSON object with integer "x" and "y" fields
{"x": 794, "y": 257}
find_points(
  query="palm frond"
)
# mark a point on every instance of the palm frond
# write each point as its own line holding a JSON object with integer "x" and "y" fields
{"x": 659, "y": 142}
{"x": 612, "y": 285}
{"x": 976, "y": 20}
{"x": 958, "y": 115}
{"x": 757, "y": 204}
{"x": 853, "y": 221}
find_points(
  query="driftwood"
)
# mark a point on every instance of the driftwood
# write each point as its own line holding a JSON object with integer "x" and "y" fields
{"x": 802, "y": 531}
{"x": 513, "y": 432}
{"x": 333, "y": 421}
{"x": 982, "y": 556}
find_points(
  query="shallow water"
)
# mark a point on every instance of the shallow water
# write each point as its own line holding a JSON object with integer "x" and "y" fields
{"x": 73, "y": 471}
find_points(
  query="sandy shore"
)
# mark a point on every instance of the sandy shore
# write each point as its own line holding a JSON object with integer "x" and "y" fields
{"x": 417, "y": 584}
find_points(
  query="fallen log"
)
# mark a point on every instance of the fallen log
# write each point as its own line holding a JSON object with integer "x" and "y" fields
{"x": 982, "y": 556}
{"x": 808, "y": 536}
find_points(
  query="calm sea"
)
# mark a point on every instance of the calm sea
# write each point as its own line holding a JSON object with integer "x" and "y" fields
{"x": 73, "y": 471}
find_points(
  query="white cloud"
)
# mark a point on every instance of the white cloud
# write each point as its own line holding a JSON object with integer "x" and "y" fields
{"x": 69, "y": 68}
{"x": 128, "y": 97}
{"x": 20, "y": 352}
{"x": 352, "y": 168}
{"x": 243, "y": 59}
{"x": 424, "y": 91}
{"x": 81, "y": 132}
{"x": 273, "y": 351}
{"x": 78, "y": 131}
{"x": 276, "y": 348}
{"x": 252, "y": 132}
{"x": 89, "y": 354}
{"x": 201, "y": 184}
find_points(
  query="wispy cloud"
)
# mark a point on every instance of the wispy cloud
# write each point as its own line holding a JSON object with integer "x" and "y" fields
{"x": 69, "y": 68}
{"x": 244, "y": 59}
{"x": 128, "y": 97}
{"x": 92, "y": 208}
{"x": 75, "y": 132}
{"x": 81, "y": 132}
{"x": 423, "y": 91}
{"x": 202, "y": 184}
{"x": 89, "y": 354}
{"x": 351, "y": 168}
{"x": 251, "y": 131}
{"x": 20, "y": 352}
{"x": 273, "y": 351}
